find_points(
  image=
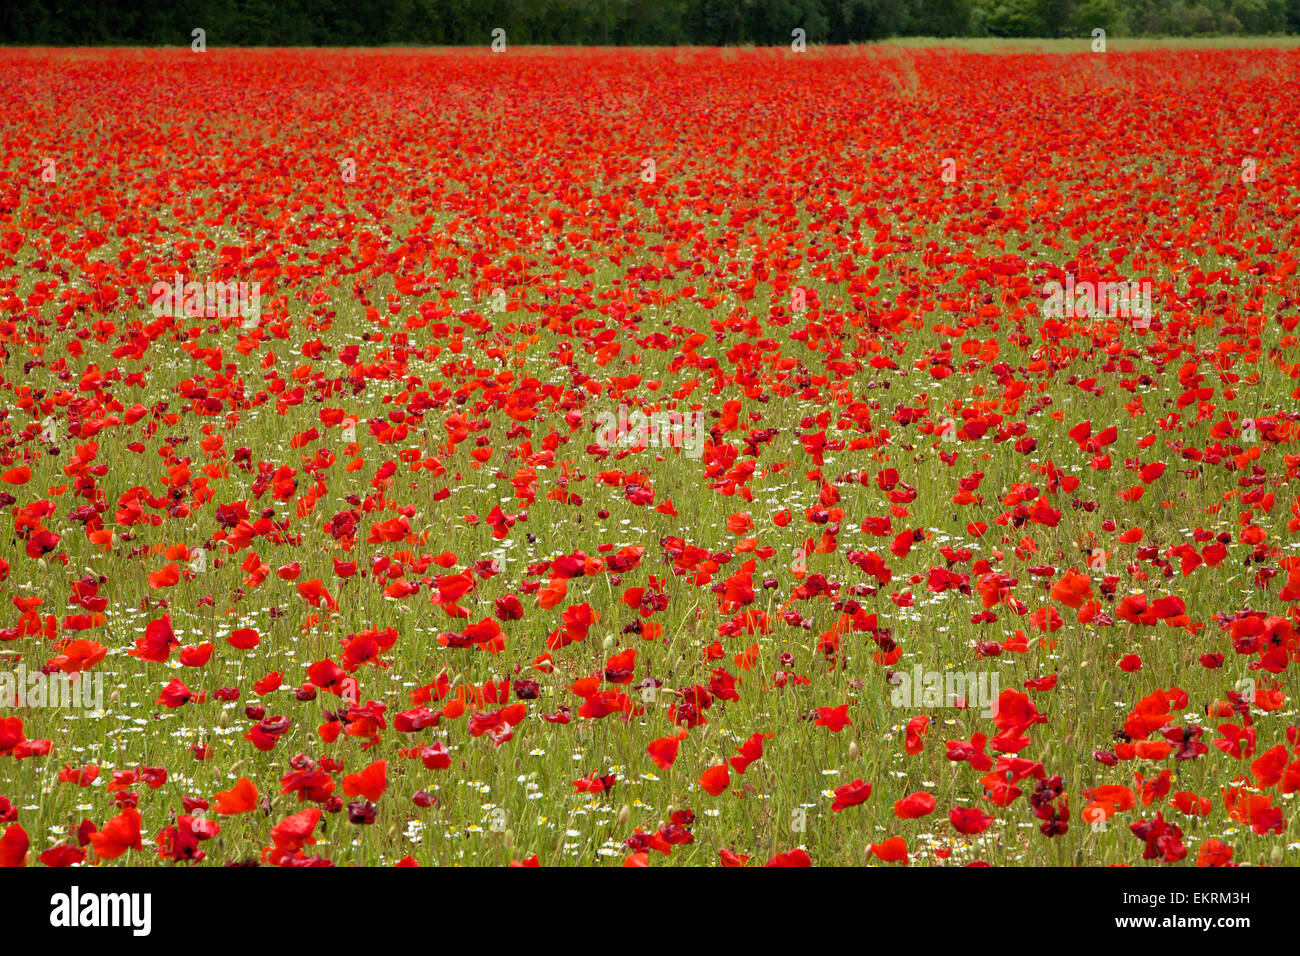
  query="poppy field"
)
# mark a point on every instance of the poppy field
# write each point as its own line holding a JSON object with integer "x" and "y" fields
{"x": 683, "y": 457}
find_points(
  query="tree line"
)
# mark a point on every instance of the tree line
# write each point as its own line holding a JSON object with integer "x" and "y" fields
{"x": 616, "y": 22}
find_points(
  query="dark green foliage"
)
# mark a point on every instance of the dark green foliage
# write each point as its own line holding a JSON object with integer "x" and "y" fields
{"x": 620, "y": 22}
